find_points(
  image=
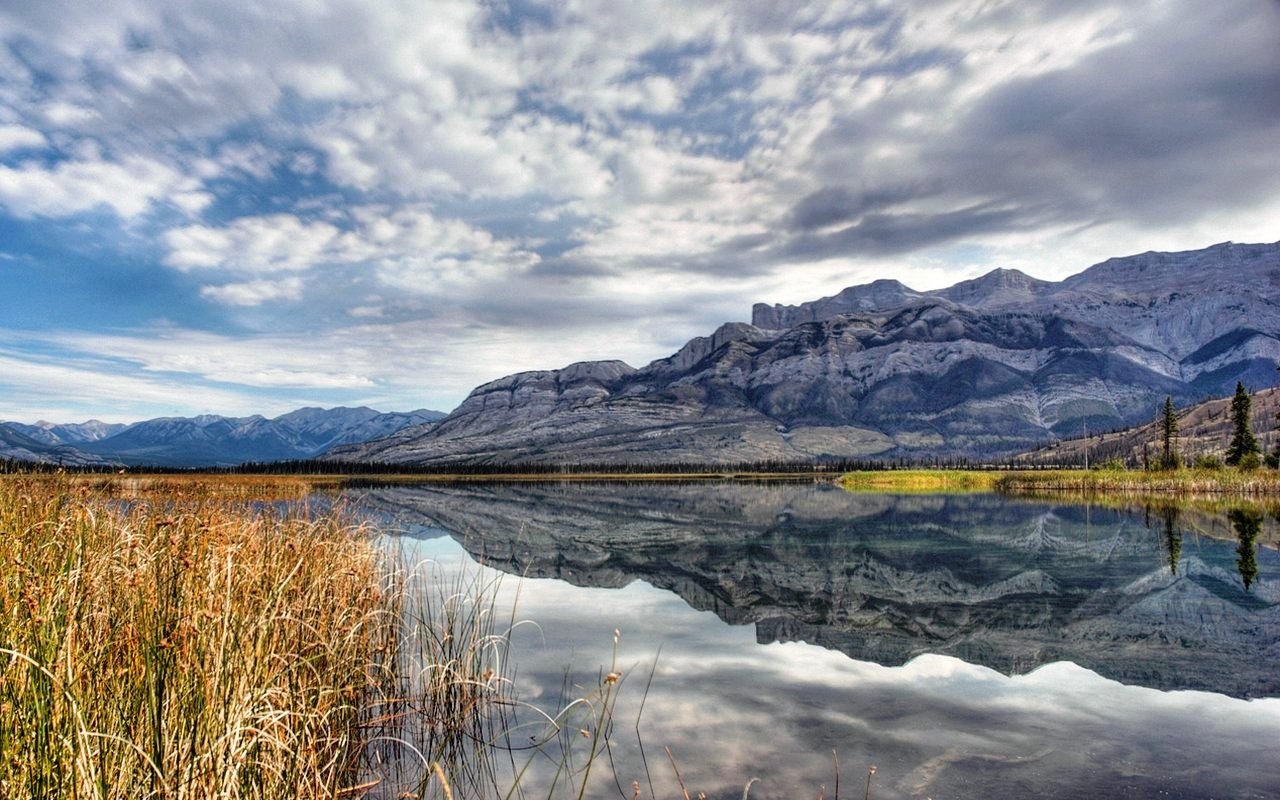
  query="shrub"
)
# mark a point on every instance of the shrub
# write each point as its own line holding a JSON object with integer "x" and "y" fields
{"x": 1249, "y": 462}
{"x": 1208, "y": 461}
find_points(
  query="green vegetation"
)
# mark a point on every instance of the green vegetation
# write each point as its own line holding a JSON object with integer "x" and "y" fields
{"x": 1169, "y": 458}
{"x": 923, "y": 481}
{"x": 1182, "y": 482}
{"x": 1243, "y": 449}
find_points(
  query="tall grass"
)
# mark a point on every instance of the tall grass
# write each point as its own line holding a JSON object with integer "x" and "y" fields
{"x": 183, "y": 647}
{"x": 181, "y": 640}
{"x": 1182, "y": 482}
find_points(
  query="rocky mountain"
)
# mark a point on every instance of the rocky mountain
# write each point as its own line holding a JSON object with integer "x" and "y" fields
{"x": 212, "y": 440}
{"x": 1162, "y": 600}
{"x": 17, "y": 445}
{"x": 68, "y": 434}
{"x": 993, "y": 365}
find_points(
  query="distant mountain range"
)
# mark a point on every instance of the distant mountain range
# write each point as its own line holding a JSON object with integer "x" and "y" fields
{"x": 204, "y": 441}
{"x": 989, "y": 366}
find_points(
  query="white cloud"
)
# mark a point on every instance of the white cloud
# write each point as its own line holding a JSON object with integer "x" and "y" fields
{"x": 404, "y": 247}
{"x": 254, "y": 293}
{"x": 266, "y": 244}
{"x": 69, "y": 387}
{"x": 16, "y": 137}
{"x": 129, "y": 187}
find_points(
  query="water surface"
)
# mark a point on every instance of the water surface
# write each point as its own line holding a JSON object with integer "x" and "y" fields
{"x": 968, "y": 646}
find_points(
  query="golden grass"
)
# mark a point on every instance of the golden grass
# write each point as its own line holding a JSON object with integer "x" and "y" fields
{"x": 1175, "y": 483}
{"x": 181, "y": 648}
{"x": 187, "y": 643}
{"x": 920, "y": 481}
{"x": 178, "y": 637}
{"x": 202, "y": 486}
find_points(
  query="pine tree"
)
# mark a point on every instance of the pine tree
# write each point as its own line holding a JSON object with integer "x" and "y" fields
{"x": 1243, "y": 442}
{"x": 1168, "y": 433}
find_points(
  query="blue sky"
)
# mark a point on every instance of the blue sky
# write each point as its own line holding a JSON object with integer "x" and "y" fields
{"x": 242, "y": 208}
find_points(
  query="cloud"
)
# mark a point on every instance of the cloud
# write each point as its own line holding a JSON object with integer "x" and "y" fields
{"x": 68, "y": 386}
{"x": 129, "y": 187}
{"x": 17, "y": 137}
{"x": 254, "y": 293}
{"x": 405, "y": 248}
{"x": 613, "y": 178}
{"x": 266, "y": 244}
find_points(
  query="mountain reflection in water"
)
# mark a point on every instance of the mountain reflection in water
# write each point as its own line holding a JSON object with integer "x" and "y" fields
{"x": 1146, "y": 599}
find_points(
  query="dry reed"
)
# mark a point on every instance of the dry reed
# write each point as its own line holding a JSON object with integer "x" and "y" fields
{"x": 179, "y": 647}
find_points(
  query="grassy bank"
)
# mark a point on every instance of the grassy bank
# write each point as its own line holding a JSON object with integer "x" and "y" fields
{"x": 191, "y": 636}
{"x": 1171, "y": 483}
{"x": 1185, "y": 483}
{"x": 924, "y": 481}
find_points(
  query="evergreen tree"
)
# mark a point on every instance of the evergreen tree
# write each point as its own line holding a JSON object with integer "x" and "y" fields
{"x": 1243, "y": 442}
{"x": 1168, "y": 433}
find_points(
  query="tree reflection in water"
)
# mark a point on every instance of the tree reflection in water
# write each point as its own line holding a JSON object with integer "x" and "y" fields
{"x": 1247, "y": 524}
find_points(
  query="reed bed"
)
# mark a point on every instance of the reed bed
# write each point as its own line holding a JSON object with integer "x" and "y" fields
{"x": 168, "y": 640}
{"x": 203, "y": 486}
{"x": 1178, "y": 483}
{"x": 179, "y": 646}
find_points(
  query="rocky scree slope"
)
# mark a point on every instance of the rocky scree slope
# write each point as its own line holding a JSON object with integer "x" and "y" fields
{"x": 989, "y": 366}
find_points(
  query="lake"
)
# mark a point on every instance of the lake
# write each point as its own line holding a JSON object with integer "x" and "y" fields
{"x": 966, "y": 646}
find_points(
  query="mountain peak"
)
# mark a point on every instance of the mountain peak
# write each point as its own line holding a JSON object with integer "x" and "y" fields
{"x": 883, "y": 294}
{"x": 999, "y": 287}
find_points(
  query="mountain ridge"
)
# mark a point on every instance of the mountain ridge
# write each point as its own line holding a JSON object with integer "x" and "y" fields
{"x": 993, "y": 365}
{"x": 206, "y": 440}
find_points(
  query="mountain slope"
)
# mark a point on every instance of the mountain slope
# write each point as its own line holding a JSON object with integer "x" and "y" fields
{"x": 1203, "y": 429}
{"x": 989, "y": 366}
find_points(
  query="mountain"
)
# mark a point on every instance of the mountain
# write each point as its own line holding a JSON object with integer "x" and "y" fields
{"x": 75, "y": 433}
{"x": 17, "y": 445}
{"x": 210, "y": 440}
{"x": 989, "y": 366}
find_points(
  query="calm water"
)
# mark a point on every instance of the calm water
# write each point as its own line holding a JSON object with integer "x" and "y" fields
{"x": 968, "y": 647}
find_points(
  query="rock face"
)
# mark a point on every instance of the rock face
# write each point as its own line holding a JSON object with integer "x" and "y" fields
{"x": 212, "y": 440}
{"x": 1006, "y": 584}
{"x": 989, "y": 366}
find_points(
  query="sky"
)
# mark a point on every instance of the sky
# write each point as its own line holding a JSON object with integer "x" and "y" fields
{"x": 242, "y": 207}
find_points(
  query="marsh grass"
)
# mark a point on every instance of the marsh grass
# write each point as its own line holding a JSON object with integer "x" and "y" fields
{"x": 182, "y": 647}
{"x": 1191, "y": 483}
{"x": 179, "y": 638}
{"x": 169, "y": 488}
{"x": 922, "y": 481}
